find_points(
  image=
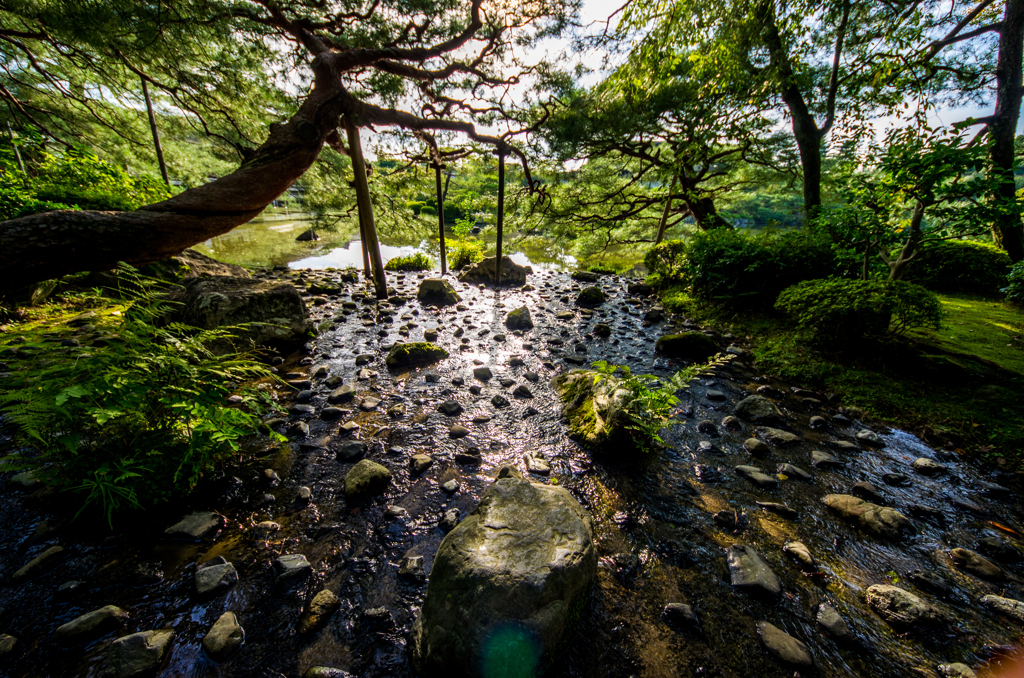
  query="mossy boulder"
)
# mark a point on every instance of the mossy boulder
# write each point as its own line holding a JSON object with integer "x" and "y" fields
{"x": 416, "y": 353}
{"x": 519, "y": 319}
{"x": 438, "y": 292}
{"x": 594, "y": 405}
{"x": 508, "y": 584}
{"x": 693, "y": 347}
{"x": 591, "y": 296}
{"x": 366, "y": 477}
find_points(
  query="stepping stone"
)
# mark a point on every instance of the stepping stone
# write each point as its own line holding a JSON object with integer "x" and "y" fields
{"x": 342, "y": 394}
{"x": 680, "y": 615}
{"x": 292, "y": 568}
{"x": 420, "y": 463}
{"x": 458, "y": 431}
{"x": 783, "y": 646}
{"x": 802, "y": 555}
{"x": 878, "y": 520}
{"x": 412, "y": 568}
{"x": 927, "y": 467}
{"x": 866, "y": 490}
{"x": 450, "y": 408}
{"x": 750, "y": 573}
{"x": 779, "y": 509}
{"x": 900, "y": 608}
{"x": 199, "y": 525}
{"x": 42, "y": 563}
{"x": 319, "y": 611}
{"x": 870, "y": 438}
{"x": 756, "y": 447}
{"x": 351, "y": 450}
{"x": 1006, "y": 606}
{"x": 139, "y": 654}
{"x": 831, "y": 621}
{"x": 482, "y": 373}
{"x": 366, "y": 478}
{"x": 224, "y": 638}
{"x": 756, "y": 476}
{"x": 778, "y": 437}
{"x": 791, "y": 471}
{"x": 91, "y": 625}
{"x": 369, "y": 404}
{"x": 821, "y": 459}
{"x": 979, "y": 566}
{"x": 214, "y": 576}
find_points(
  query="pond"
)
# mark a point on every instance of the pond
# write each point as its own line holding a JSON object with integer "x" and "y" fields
{"x": 270, "y": 240}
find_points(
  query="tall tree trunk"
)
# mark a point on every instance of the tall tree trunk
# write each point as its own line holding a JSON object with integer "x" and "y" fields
{"x": 440, "y": 218}
{"x": 156, "y": 133}
{"x": 43, "y": 246}
{"x": 1007, "y": 230}
{"x": 668, "y": 208}
{"x": 501, "y": 211}
{"x": 380, "y": 284}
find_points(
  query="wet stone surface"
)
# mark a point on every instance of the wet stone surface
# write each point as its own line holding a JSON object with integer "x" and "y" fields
{"x": 664, "y": 524}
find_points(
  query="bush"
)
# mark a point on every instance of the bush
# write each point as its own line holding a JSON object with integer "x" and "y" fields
{"x": 138, "y": 420}
{"x": 731, "y": 266}
{"x": 961, "y": 266}
{"x": 412, "y": 262}
{"x": 837, "y": 311}
{"x": 462, "y": 253}
{"x": 1015, "y": 289}
{"x": 666, "y": 262}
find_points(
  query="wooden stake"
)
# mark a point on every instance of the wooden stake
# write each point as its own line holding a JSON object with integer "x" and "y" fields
{"x": 440, "y": 219}
{"x": 156, "y": 134}
{"x": 668, "y": 208}
{"x": 501, "y": 211}
{"x": 380, "y": 284}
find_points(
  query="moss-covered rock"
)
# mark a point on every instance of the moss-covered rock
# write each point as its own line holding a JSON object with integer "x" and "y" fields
{"x": 690, "y": 346}
{"x": 508, "y": 584}
{"x": 416, "y": 353}
{"x": 366, "y": 477}
{"x": 591, "y": 296}
{"x": 593, "y": 404}
{"x": 438, "y": 292}
{"x": 519, "y": 319}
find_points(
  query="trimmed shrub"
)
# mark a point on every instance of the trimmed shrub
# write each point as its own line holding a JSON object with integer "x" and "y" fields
{"x": 666, "y": 262}
{"x": 462, "y": 253}
{"x": 837, "y": 311}
{"x": 732, "y": 266}
{"x": 412, "y": 262}
{"x": 1015, "y": 289}
{"x": 961, "y": 266}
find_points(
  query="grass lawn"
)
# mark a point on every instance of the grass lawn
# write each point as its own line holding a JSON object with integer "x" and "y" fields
{"x": 992, "y": 330}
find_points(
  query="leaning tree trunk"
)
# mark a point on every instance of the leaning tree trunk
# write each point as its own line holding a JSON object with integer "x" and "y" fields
{"x": 44, "y": 246}
{"x": 372, "y": 245}
{"x": 1007, "y": 230}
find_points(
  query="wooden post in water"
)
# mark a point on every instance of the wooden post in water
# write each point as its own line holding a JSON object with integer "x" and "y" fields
{"x": 440, "y": 218}
{"x": 668, "y": 207}
{"x": 501, "y": 211}
{"x": 156, "y": 134}
{"x": 372, "y": 245}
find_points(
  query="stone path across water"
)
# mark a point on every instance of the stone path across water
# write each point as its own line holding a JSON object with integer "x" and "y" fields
{"x": 703, "y": 569}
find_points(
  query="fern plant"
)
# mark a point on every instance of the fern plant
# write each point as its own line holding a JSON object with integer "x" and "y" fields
{"x": 649, "y": 408}
{"x": 140, "y": 419}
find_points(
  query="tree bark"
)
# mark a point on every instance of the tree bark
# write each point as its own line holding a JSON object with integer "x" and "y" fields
{"x": 501, "y": 211}
{"x": 49, "y": 245}
{"x": 668, "y": 208}
{"x": 1007, "y": 230}
{"x": 380, "y": 284}
{"x": 156, "y": 133}
{"x": 440, "y": 218}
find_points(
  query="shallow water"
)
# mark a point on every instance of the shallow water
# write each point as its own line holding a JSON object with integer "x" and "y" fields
{"x": 654, "y": 531}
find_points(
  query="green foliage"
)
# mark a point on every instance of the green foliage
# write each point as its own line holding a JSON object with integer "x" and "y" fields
{"x": 462, "y": 253}
{"x": 652, "y": 401}
{"x": 412, "y": 262}
{"x": 77, "y": 178}
{"x": 667, "y": 261}
{"x": 1015, "y": 289}
{"x": 841, "y": 312}
{"x": 739, "y": 268}
{"x": 961, "y": 266}
{"x": 139, "y": 420}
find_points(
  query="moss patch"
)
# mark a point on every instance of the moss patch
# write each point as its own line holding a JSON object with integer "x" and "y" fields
{"x": 954, "y": 386}
{"x": 416, "y": 353}
{"x": 692, "y": 346}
